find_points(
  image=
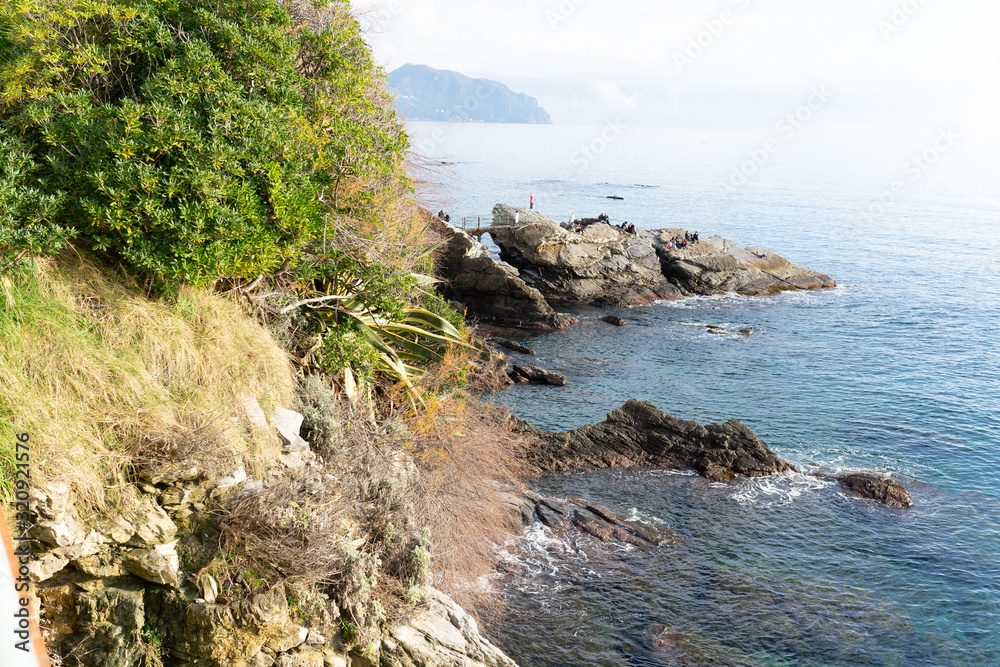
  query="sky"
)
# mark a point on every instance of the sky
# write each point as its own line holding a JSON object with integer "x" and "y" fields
{"x": 721, "y": 63}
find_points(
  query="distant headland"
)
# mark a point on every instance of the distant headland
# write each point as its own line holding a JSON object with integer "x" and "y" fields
{"x": 425, "y": 93}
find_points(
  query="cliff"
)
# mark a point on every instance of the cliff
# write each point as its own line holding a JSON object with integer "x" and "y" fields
{"x": 425, "y": 93}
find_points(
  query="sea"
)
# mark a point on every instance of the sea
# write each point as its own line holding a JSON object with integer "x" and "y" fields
{"x": 896, "y": 371}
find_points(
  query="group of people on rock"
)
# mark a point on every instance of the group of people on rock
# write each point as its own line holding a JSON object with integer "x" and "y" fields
{"x": 444, "y": 216}
{"x": 683, "y": 241}
{"x": 626, "y": 227}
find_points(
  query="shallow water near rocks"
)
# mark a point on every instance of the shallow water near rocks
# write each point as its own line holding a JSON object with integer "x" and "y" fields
{"x": 897, "y": 370}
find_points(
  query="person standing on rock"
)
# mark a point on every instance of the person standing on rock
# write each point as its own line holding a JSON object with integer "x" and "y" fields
{"x": 531, "y": 201}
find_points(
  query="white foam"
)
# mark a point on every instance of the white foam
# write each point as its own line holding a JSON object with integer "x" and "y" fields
{"x": 781, "y": 489}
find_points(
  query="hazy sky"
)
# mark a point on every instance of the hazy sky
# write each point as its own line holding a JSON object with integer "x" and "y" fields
{"x": 721, "y": 62}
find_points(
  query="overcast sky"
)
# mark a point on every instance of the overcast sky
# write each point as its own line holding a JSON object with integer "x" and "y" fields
{"x": 721, "y": 62}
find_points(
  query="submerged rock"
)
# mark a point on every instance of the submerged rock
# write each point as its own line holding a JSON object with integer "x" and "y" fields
{"x": 882, "y": 489}
{"x": 615, "y": 320}
{"x": 606, "y": 266}
{"x": 639, "y": 434}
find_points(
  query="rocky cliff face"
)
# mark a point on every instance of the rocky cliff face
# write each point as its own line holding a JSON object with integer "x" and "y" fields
{"x": 605, "y": 266}
{"x": 488, "y": 289}
{"x": 639, "y": 434}
{"x": 113, "y": 591}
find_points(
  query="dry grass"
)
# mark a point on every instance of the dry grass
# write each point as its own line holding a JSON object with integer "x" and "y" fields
{"x": 466, "y": 455}
{"x": 101, "y": 377}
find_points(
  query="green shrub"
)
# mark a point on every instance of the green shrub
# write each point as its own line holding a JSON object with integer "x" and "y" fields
{"x": 193, "y": 140}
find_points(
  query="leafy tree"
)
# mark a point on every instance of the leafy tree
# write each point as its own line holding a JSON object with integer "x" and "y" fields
{"x": 192, "y": 139}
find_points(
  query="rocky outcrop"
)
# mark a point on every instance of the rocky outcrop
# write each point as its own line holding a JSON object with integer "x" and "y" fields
{"x": 113, "y": 593}
{"x": 639, "y": 434}
{"x": 605, "y": 266}
{"x": 600, "y": 265}
{"x": 440, "y": 635}
{"x": 874, "y": 487}
{"x": 536, "y": 375}
{"x": 489, "y": 290}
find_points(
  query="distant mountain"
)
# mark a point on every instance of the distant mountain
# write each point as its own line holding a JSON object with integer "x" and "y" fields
{"x": 425, "y": 93}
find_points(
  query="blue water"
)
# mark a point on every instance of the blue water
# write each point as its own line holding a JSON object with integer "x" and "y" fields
{"x": 897, "y": 370}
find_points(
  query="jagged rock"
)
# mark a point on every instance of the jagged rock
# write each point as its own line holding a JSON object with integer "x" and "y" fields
{"x": 882, "y": 489}
{"x": 602, "y": 264}
{"x": 717, "y": 265}
{"x": 301, "y": 659}
{"x": 516, "y": 347}
{"x": 158, "y": 564}
{"x": 169, "y": 472}
{"x": 254, "y": 413}
{"x": 287, "y": 637}
{"x": 488, "y": 289}
{"x": 50, "y": 505}
{"x": 101, "y": 565}
{"x": 109, "y": 626}
{"x": 91, "y": 544}
{"x": 114, "y": 528}
{"x": 640, "y": 434}
{"x": 537, "y": 375}
{"x": 65, "y": 532}
{"x": 152, "y": 525}
{"x": 288, "y": 423}
{"x": 41, "y": 568}
{"x": 606, "y": 266}
{"x": 440, "y": 635}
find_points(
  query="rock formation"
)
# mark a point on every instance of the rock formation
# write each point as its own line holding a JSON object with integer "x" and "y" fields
{"x": 639, "y": 434}
{"x": 536, "y": 375}
{"x": 605, "y": 266}
{"x": 113, "y": 594}
{"x": 489, "y": 290}
{"x": 882, "y": 489}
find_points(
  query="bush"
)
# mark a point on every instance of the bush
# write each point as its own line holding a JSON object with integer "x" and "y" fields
{"x": 193, "y": 140}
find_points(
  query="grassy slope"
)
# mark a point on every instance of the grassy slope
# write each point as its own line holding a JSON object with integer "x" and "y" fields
{"x": 99, "y": 376}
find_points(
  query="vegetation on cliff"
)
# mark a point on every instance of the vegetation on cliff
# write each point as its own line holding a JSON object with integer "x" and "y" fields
{"x": 202, "y": 206}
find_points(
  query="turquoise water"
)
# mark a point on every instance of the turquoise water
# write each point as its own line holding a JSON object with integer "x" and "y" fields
{"x": 897, "y": 370}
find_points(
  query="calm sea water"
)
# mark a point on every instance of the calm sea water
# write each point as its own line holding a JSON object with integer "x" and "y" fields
{"x": 897, "y": 370}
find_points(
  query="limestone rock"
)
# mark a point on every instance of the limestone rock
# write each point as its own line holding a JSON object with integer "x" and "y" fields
{"x": 878, "y": 488}
{"x": 288, "y": 423}
{"x": 488, "y": 289}
{"x": 536, "y": 375}
{"x": 114, "y": 528}
{"x": 102, "y": 565}
{"x": 254, "y": 413}
{"x": 65, "y": 532}
{"x": 158, "y": 564}
{"x": 41, "y": 568}
{"x": 441, "y": 635}
{"x": 640, "y": 434}
{"x": 152, "y": 525}
{"x": 169, "y": 472}
{"x": 51, "y": 503}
